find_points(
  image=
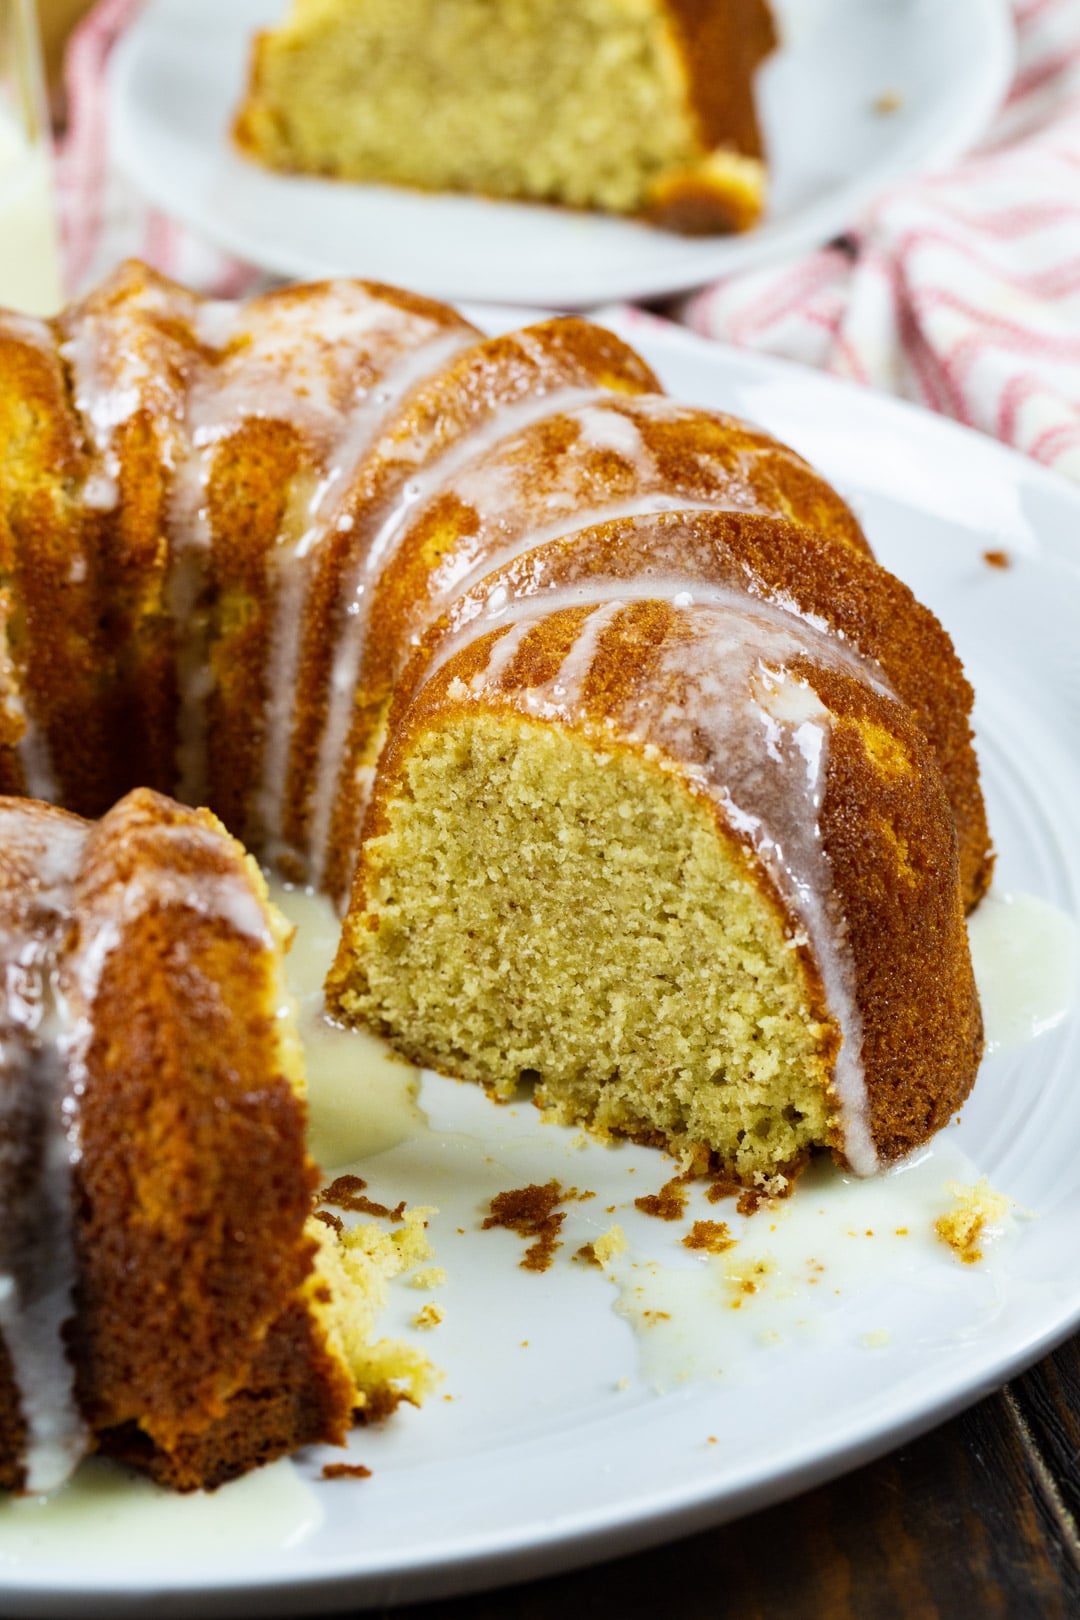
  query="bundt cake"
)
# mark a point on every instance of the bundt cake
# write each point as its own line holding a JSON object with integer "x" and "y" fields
{"x": 639, "y": 778}
{"x": 644, "y": 109}
{"x": 166, "y": 1296}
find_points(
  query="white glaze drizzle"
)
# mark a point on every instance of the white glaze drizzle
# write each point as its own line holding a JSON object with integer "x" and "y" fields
{"x": 27, "y": 329}
{"x": 262, "y": 363}
{"x": 427, "y": 483}
{"x": 493, "y": 484}
{"x": 37, "y": 1265}
{"x": 277, "y": 373}
{"x": 499, "y": 488}
{"x": 681, "y": 591}
{"x": 292, "y": 567}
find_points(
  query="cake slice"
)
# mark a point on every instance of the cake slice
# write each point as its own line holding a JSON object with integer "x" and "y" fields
{"x": 644, "y": 108}
{"x": 684, "y": 862}
{"x": 166, "y": 1295}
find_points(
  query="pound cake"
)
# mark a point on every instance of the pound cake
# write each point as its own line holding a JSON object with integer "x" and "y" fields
{"x": 643, "y": 108}
{"x": 166, "y": 1296}
{"x": 635, "y": 774}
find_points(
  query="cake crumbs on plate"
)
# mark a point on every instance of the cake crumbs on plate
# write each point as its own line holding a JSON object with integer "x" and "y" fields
{"x": 997, "y": 559}
{"x": 429, "y": 1316}
{"x": 603, "y": 1248}
{"x": 345, "y": 1471}
{"x": 669, "y": 1204}
{"x": 711, "y": 1237}
{"x": 347, "y": 1192}
{"x": 889, "y": 101}
{"x": 533, "y": 1212}
{"x": 429, "y": 1277}
{"x": 876, "y": 1339}
{"x": 978, "y": 1210}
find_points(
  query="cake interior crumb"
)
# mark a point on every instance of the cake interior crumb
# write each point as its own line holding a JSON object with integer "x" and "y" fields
{"x": 977, "y": 1210}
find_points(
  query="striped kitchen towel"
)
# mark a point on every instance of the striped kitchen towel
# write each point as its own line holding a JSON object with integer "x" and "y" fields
{"x": 960, "y": 290}
{"x": 102, "y": 218}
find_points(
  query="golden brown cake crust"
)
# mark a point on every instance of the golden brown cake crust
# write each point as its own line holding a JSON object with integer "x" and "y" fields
{"x": 192, "y": 1186}
{"x": 891, "y": 844}
{"x": 724, "y": 43}
{"x": 47, "y": 568}
{"x": 175, "y": 1296}
{"x": 293, "y": 1394}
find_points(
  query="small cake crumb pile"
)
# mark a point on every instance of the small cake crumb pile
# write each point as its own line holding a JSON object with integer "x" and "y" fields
{"x": 533, "y": 1212}
{"x": 889, "y": 101}
{"x": 669, "y": 1204}
{"x": 713, "y": 1237}
{"x": 767, "y": 1190}
{"x": 429, "y": 1277}
{"x": 997, "y": 559}
{"x": 429, "y": 1316}
{"x": 603, "y": 1248}
{"x": 348, "y": 1290}
{"x": 346, "y": 1471}
{"x": 347, "y": 1192}
{"x": 977, "y": 1208}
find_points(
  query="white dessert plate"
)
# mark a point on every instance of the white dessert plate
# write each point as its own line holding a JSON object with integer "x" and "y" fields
{"x": 587, "y": 1415}
{"x": 179, "y": 73}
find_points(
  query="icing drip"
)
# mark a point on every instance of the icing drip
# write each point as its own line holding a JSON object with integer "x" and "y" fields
{"x": 722, "y": 700}
{"x": 291, "y": 562}
{"x": 259, "y": 361}
{"x": 172, "y": 880}
{"x": 270, "y": 369}
{"x": 427, "y": 483}
{"x": 37, "y": 1265}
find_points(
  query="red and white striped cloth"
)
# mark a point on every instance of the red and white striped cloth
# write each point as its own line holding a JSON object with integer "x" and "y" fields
{"x": 960, "y": 290}
{"x": 102, "y": 218}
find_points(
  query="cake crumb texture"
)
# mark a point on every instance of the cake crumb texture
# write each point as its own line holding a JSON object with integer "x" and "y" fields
{"x": 976, "y": 1212}
{"x": 630, "y": 106}
{"x": 673, "y": 1012}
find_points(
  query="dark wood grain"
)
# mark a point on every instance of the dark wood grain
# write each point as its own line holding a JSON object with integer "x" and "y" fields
{"x": 978, "y": 1519}
{"x": 1046, "y": 1406}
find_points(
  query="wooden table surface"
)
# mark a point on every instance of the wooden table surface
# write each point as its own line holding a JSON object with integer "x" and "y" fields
{"x": 977, "y": 1519}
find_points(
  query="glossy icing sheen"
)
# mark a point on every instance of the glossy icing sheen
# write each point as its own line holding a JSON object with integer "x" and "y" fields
{"x": 39, "y": 863}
